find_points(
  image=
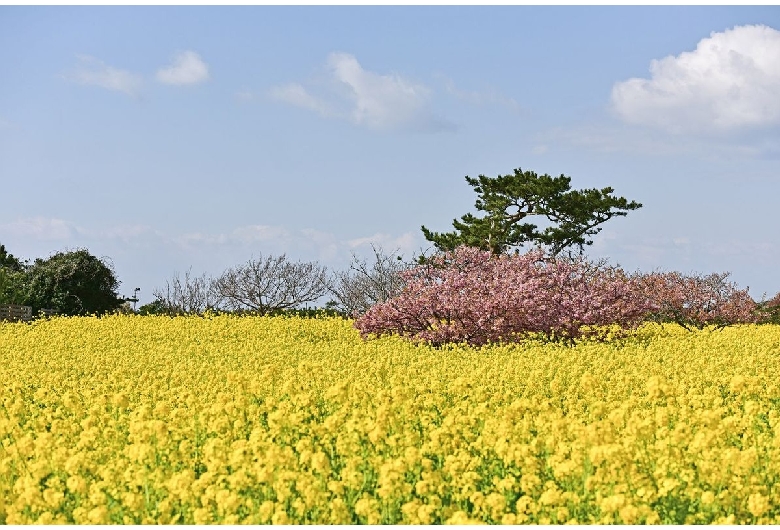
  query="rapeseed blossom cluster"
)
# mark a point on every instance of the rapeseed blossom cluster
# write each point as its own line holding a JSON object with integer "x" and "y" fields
{"x": 221, "y": 419}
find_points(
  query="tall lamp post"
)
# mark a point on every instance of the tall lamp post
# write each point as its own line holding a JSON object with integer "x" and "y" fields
{"x": 134, "y": 299}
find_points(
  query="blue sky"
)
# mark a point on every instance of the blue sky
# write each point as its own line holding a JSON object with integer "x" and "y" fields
{"x": 174, "y": 137}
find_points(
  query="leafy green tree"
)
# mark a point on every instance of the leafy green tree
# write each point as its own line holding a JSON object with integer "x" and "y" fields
{"x": 11, "y": 283}
{"x": 73, "y": 283}
{"x": 11, "y": 277}
{"x": 508, "y": 200}
{"x": 8, "y": 261}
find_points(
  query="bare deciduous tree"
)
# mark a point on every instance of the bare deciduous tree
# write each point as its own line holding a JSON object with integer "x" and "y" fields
{"x": 272, "y": 283}
{"x": 361, "y": 286}
{"x": 192, "y": 294}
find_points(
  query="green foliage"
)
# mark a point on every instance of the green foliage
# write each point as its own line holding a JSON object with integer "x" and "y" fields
{"x": 508, "y": 199}
{"x": 9, "y": 262}
{"x": 769, "y": 310}
{"x": 160, "y": 307}
{"x": 73, "y": 283}
{"x": 155, "y": 307}
{"x": 310, "y": 312}
{"x": 11, "y": 286}
{"x": 11, "y": 277}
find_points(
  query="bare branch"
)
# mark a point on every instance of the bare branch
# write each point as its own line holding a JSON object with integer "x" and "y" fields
{"x": 271, "y": 283}
{"x": 362, "y": 286}
{"x": 192, "y": 294}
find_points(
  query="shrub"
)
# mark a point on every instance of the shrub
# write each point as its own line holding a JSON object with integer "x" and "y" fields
{"x": 469, "y": 295}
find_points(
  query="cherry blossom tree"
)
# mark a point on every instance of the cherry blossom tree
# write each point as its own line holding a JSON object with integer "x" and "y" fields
{"x": 696, "y": 301}
{"x": 471, "y": 295}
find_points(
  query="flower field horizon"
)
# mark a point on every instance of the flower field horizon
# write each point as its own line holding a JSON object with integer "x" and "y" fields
{"x": 226, "y": 419}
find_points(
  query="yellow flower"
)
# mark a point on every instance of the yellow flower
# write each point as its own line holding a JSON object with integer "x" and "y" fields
{"x": 758, "y": 504}
{"x": 424, "y": 513}
{"x": 227, "y": 501}
{"x": 76, "y": 484}
{"x": 529, "y": 483}
{"x": 98, "y": 515}
{"x": 496, "y": 502}
{"x": 612, "y": 503}
{"x": 280, "y": 517}
{"x": 707, "y": 498}
{"x": 629, "y": 514}
{"x": 461, "y": 518}
{"x": 201, "y": 516}
{"x": 306, "y": 412}
{"x": 266, "y": 511}
{"x": 120, "y": 401}
{"x": 525, "y": 505}
{"x": 737, "y": 383}
{"x": 550, "y": 497}
{"x": 53, "y": 498}
{"x": 320, "y": 463}
{"x": 368, "y": 508}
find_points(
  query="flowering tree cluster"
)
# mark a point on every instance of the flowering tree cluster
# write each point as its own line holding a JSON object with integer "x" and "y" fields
{"x": 470, "y": 295}
{"x": 697, "y": 301}
{"x": 770, "y": 310}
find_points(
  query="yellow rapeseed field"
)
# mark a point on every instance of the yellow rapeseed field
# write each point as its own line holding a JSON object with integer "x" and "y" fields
{"x": 128, "y": 419}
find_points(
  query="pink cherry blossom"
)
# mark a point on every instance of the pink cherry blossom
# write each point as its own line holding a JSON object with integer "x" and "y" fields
{"x": 469, "y": 295}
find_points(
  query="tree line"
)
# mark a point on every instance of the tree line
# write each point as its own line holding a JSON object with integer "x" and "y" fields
{"x": 76, "y": 282}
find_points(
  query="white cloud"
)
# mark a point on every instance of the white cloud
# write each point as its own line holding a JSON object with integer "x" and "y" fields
{"x": 187, "y": 69}
{"x": 327, "y": 245}
{"x": 380, "y": 101}
{"x": 92, "y": 71}
{"x": 616, "y": 138}
{"x": 241, "y": 236}
{"x": 295, "y": 94}
{"x": 375, "y": 101}
{"x": 211, "y": 251}
{"x": 405, "y": 243}
{"x": 730, "y": 82}
{"x": 53, "y": 229}
{"x": 488, "y": 96}
{"x": 39, "y": 228}
{"x": 637, "y": 140}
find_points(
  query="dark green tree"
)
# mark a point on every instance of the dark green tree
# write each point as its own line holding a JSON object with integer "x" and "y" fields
{"x": 508, "y": 200}
{"x": 11, "y": 277}
{"x": 8, "y": 261}
{"x": 73, "y": 283}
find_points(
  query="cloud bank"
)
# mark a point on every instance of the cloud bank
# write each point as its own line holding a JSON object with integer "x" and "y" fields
{"x": 187, "y": 68}
{"x": 730, "y": 82}
{"x": 366, "y": 98}
{"x": 244, "y": 240}
{"x": 92, "y": 71}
